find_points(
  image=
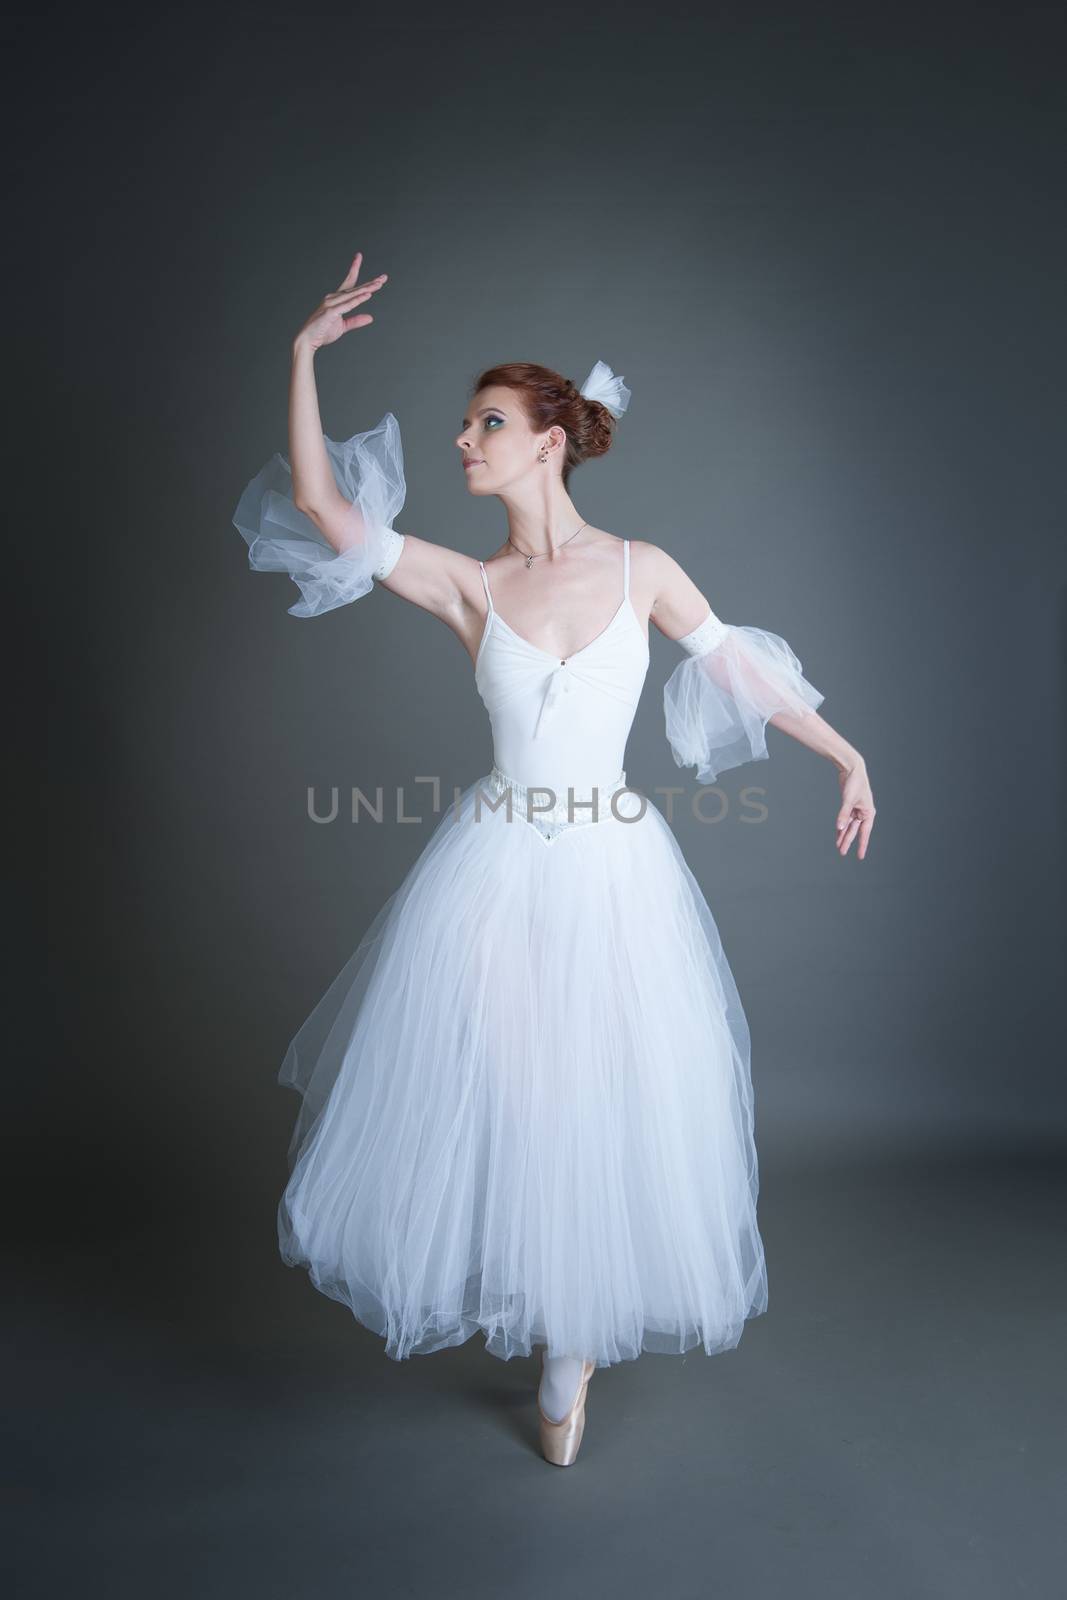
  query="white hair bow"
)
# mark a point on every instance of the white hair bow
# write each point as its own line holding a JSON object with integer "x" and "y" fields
{"x": 603, "y": 385}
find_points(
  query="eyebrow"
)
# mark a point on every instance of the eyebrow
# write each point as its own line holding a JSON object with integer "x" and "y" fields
{"x": 482, "y": 412}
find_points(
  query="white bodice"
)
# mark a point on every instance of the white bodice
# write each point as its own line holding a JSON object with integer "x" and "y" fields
{"x": 559, "y": 723}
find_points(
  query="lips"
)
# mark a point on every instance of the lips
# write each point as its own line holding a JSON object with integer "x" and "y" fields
{"x": 467, "y": 464}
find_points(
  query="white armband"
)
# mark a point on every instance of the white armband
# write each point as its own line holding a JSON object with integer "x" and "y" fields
{"x": 393, "y": 544}
{"x": 704, "y": 637}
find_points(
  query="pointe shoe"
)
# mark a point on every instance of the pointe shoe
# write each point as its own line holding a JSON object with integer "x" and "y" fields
{"x": 560, "y": 1440}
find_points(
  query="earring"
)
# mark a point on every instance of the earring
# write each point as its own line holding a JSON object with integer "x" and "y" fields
{"x": 543, "y": 457}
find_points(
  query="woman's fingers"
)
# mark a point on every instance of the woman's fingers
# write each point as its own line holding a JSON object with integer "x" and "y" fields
{"x": 861, "y": 823}
{"x": 355, "y": 297}
{"x": 342, "y": 296}
{"x": 353, "y": 272}
{"x": 855, "y": 814}
{"x": 328, "y": 322}
{"x": 364, "y": 292}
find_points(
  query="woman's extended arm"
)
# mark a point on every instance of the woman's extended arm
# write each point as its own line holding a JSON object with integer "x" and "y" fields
{"x": 735, "y": 680}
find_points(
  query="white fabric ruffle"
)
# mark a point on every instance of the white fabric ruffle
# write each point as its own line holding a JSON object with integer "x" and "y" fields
{"x": 369, "y": 471}
{"x": 718, "y": 701}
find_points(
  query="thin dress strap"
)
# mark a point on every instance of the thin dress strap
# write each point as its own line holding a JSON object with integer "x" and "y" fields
{"x": 626, "y": 569}
{"x": 485, "y": 586}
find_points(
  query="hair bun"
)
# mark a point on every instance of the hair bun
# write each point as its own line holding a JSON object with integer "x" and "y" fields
{"x": 587, "y": 415}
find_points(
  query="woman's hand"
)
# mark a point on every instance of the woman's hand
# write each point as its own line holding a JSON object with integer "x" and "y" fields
{"x": 857, "y": 809}
{"x": 327, "y": 323}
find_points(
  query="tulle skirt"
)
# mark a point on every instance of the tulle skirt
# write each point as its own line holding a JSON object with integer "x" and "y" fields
{"x": 526, "y": 1101}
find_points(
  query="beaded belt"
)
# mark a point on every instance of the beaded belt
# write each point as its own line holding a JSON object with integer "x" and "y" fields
{"x": 549, "y": 813}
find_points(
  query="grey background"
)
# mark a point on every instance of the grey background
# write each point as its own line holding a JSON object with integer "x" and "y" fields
{"x": 825, "y": 249}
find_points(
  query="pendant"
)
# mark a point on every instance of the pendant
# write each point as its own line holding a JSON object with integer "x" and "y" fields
{"x": 529, "y": 562}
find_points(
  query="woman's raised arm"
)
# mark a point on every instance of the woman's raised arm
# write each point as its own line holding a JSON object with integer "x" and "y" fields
{"x": 326, "y": 515}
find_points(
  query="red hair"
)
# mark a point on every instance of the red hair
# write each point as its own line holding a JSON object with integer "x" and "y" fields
{"x": 549, "y": 399}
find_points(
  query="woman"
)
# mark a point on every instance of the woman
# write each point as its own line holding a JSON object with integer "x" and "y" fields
{"x": 526, "y": 1098}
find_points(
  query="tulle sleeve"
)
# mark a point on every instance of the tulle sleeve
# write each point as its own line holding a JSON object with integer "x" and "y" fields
{"x": 718, "y": 701}
{"x": 369, "y": 471}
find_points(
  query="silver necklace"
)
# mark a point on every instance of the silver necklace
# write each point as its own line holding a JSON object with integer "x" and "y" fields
{"x": 531, "y": 559}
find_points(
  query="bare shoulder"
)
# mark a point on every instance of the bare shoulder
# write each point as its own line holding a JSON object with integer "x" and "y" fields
{"x": 674, "y": 602}
{"x": 652, "y": 562}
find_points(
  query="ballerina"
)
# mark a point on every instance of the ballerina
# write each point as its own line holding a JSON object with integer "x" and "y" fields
{"x": 526, "y": 1099}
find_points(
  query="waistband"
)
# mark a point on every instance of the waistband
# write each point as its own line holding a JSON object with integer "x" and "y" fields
{"x": 543, "y": 805}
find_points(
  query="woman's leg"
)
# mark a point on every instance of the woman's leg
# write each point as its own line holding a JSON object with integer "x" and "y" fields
{"x": 559, "y": 1385}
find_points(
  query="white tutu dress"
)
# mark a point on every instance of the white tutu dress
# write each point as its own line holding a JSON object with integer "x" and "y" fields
{"x": 527, "y": 1105}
